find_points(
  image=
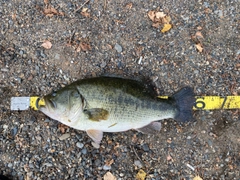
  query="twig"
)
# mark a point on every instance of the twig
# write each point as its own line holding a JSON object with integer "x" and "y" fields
{"x": 72, "y": 37}
{"x": 137, "y": 155}
{"x": 105, "y": 5}
{"x": 81, "y": 6}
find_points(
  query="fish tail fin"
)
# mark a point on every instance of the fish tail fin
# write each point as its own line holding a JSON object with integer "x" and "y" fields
{"x": 184, "y": 100}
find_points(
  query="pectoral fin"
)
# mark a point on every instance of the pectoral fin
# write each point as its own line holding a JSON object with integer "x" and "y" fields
{"x": 96, "y": 136}
{"x": 151, "y": 128}
{"x": 97, "y": 114}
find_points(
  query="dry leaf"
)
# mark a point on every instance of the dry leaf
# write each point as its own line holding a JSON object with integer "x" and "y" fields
{"x": 109, "y": 176}
{"x": 199, "y": 47}
{"x": 109, "y": 163}
{"x": 197, "y": 178}
{"x": 207, "y": 10}
{"x": 85, "y": 14}
{"x": 151, "y": 15}
{"x": 160, "y": 15}
{"x": 78, "y": 48}
{"x": 47, "y": 44}
{"x": 169, "y": 158}
{"x": 85, "y": 47}
{"x": 47, "y": 11}
{"x": 134, "y": 138}
{"x": 168, "y": 18}
{"x": 129, "y": 5}
{"x": 62, "y": 128}
{"x": 50, "y": 11}
{"x": 199, "y": 34}
{"x": 166, "y": 28}
{"x": 141, "y": 175}
{"x": 46, "y": 2}
{"x": 49, "y": 15}
{"x": 84, "y": 9}
{"x": 160, "y": 18}
{"x": 156, "y": 25}
{"x": 53, "y": 10}
{"x": 14, "y": 17}
{"x": 61, "y": 13}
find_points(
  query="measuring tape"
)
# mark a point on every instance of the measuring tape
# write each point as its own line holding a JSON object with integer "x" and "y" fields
{"x": 214, "y": 102}
{"x": 201, "y": 103}
{"x": 217, "y": 102}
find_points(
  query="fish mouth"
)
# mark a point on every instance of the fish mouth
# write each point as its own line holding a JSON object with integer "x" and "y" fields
{"x": 45, "y": 103}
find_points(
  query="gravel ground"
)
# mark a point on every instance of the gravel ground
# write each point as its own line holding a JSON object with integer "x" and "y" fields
{"x": 99, "y": 37}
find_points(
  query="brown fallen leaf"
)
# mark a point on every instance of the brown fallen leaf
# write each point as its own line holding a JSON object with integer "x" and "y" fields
{"x": 160, "y": 15}
{"x": 151, "y": 15}
{"x": 62, "y": 128}
{"x": 85, "y": 46}
{"x": 166, "y": 19}
{"x": 109, "y": 162}
{"x": 199, "y": 47}
{"x": 14, "y": 17}
{"x": 199, "y": 35}
{"x": 47, "y": 44}
{"x": 129, "y": 5}
{"x": 50, "y": 11}
{"x": 53, "y": 10}
{"x": 169, "y": 158}
{"x": 85, "y": 12}
{"x": 109, "y": 176}
{"x": 156, "y": 25}
{"x": 78, "y": 49}
{"x": 46, "y": 2}
{"x": 160, "y": 18}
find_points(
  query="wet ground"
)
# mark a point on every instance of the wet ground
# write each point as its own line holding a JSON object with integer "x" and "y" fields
{"x": 45, "y": 45}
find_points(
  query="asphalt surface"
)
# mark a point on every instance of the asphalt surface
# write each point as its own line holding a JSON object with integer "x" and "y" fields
{"x": 45, "y": 45}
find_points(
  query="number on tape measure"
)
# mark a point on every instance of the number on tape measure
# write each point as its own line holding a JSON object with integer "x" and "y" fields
{"x": 199, "y": 104}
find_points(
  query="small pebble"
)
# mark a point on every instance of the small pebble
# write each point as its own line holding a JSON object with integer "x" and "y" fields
{"x": 118, "y": 48}
{"x": 64, "y": 136}
{"x": 145, "y": 147}
{"x": 10, "y": 165}
{"x": 106, "y": 167}
{"x": 84, "y": 151}
{"x": 79, "y": 145}
{"x": 138, "y": 163}
{"x": 5, "y": 126}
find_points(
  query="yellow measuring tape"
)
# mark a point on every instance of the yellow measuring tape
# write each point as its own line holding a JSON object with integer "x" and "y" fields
{"x": 214, "y": 102}
{"x": 201, "y": 103}
{"x": 35, "y": 102}
{"x": 217, "y": 102}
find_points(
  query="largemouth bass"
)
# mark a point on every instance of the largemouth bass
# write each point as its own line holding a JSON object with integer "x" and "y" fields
{"x": 108, "y": 104}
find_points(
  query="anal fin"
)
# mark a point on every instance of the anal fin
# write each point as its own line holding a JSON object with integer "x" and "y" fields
{"x": 151, "y": 128}
{"x": 96, "y": 136}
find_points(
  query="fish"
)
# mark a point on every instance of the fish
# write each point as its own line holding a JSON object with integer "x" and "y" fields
{"x": 114, "y": 104}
